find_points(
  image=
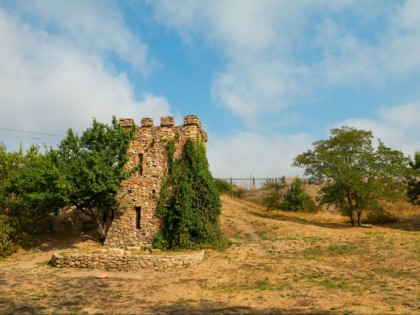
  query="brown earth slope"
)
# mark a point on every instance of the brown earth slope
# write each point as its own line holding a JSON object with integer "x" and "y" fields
{"x": 273, "y": 266}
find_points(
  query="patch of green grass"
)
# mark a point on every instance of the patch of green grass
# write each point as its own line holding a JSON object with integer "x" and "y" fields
{"x": 76, "y": 311}
{"x": 249, "y": 285}
{"x": 266, "y": 235}
{"x": 25, "y": 309}
{"x": 343, "y": 249}
{"x": 327, "y": 281}
{"x": 396, "y": 273}
{"x": 247, "y": 237}
{"x": 334, "y": 283}
{"x": 333, "y": 250}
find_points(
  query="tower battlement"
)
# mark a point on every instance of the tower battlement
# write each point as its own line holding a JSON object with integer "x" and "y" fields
{"x": 168, "y": 122}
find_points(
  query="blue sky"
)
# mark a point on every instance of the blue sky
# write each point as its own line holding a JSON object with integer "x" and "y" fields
{"x": 266, "y": 77}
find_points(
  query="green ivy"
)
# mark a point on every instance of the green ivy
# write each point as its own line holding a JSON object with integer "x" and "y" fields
{"x": 189, "y": 203}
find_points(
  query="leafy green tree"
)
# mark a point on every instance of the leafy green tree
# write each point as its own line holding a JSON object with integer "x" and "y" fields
{"x": 84, "y": 173}
{"x": 357, "y": 176}
{"x": 296, "y": 199}
{"x": 9, "y": 235}
{"x": 27, "y": 185}
{"x": 274, "y": 193}
{"x": 413, "y": 191}
{"x": 94, "y": 167}
{"x": 189, "y": 203}
{"x": 36, "y": 188}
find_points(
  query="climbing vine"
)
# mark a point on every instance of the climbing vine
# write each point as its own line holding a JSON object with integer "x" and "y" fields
{"x": 189, "y": 202}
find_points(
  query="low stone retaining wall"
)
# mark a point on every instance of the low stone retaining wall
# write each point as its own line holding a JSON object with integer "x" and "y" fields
{"x": 125, "y": 261}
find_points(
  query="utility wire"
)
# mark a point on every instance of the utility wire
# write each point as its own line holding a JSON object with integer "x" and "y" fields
{"x": 33, "y": 132}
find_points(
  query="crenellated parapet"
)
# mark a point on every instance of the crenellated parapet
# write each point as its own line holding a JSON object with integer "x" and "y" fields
{"x": 190, "y": 129}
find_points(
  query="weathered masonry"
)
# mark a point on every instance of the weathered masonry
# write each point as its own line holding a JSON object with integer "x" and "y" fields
{"x": 137, "y": 223}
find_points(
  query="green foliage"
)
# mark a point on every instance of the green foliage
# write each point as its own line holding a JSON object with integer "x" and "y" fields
{"x": 34, "y": 189}
{"x": 85, "y": 172}
{"x": 189, "y": 203}
{"x": 295, "y": 198}
{"x": 28, "y": 182}
{"x": 275, "y": 192}
{"x": 413, "y": 191}
{"x": 8, "y": 236}
{"x": 94, "y": 166}
{"x": 380, "y": 216}
{"x": 223, "y": 186}
{"x": 160, "y": 242}
{"x": 356, "y": 175}
{"x": 10, "y": 163}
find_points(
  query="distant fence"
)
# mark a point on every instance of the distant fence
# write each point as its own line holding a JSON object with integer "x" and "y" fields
{"x": 255, "y": 182}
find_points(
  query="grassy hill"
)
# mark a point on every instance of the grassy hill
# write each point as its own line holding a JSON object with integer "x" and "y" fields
{"x": 294, "y": 263}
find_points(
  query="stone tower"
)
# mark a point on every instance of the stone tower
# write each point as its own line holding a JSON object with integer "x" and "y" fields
{"x": 137, "y": 223}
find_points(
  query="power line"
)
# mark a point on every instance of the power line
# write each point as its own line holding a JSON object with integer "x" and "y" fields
{"x": 33, "y": 132}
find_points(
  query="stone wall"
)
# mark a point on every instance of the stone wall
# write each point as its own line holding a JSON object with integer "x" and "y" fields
{"x": 137, "y": 223}
{"x": 124, "y": 261}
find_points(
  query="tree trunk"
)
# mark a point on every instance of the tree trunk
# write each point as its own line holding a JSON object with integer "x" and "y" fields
{"x": 350, "y": 203}
{"x": 101, "y": 230}
{"x": 97, "y": 220}
{"x": 351, "y": 214}
{"x": 359, "y": 218}
{"x": 105, "y": 217}
{"x": 359, "y": 211}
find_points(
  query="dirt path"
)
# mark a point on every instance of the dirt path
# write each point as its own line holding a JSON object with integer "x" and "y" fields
{"x": 273, "y": 266}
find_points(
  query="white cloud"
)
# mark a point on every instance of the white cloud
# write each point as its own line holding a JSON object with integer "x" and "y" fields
{"x": 256, "y": 37}
{"x": 263, "y": 42}
{"x": 409, "y": 14}
{"x": 92, "y": 25}
{"x": 397, "y": 127}
{"x": 241, "y": 154}
{"x": 49, "y": 83}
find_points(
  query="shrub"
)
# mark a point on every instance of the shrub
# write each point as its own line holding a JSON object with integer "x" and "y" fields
{"x": 380, "y": 216}
{"x": 238, "y": 192}
{"x": 223, "y": 186}
{"x": 295, "y": 199}
{"x": 275, "y": 191}
{"x": 8, "y": 237}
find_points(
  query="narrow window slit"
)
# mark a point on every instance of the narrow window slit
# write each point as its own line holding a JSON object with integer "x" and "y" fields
{"x": 141, "y": 163}
{"x": 170, "y": 162}
{"x": 138, "y": 217}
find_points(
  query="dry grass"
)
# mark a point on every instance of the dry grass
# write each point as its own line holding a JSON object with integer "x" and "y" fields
{"x": 293, "y": 264}
{"x": 394, "y": 212}
{"x": 403, "y": 210}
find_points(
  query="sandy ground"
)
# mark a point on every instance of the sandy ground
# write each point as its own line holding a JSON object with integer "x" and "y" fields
{"x": 273, "y": 266}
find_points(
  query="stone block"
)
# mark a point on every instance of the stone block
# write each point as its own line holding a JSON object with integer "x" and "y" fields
{"x": 167, "y": 121}
{"x": 115, "y": 251}
{"x": 126, "y": 122}
{"x": 147, "y": 122}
